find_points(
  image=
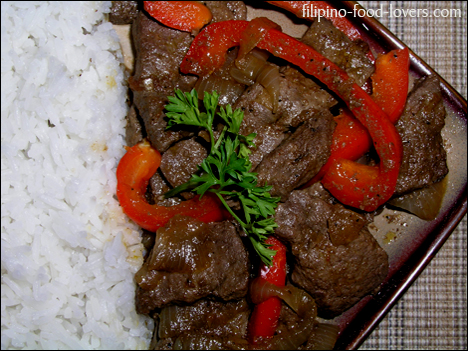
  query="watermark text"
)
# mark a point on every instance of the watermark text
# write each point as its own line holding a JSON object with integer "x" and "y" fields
{"x": 310, "y": 10}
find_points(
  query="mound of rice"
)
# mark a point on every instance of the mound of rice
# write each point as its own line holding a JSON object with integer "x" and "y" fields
{"x": 68, "y": 253}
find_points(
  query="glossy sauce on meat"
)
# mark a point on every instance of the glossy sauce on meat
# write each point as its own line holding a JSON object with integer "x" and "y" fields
{"x": 194, "y": 281}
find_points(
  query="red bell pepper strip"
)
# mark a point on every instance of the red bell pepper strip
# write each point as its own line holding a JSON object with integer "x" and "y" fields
{"x": 186, "y": 16}
{"x": 362, "y": 186}
{"x": 350, "y": 141}
{"x": 134, "y": 170}
{"x": 390, "y": 82}
{"x": 208, "y": 52}
{"x": 390, "y": 89}
{"x": 265, "y": 316}
{"x": 209, "y": 48}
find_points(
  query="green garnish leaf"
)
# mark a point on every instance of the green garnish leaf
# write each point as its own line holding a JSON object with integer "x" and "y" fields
{"x": 225, "y": 171}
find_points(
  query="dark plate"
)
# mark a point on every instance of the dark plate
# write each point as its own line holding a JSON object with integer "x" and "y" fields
{"x": 417, "y": 241}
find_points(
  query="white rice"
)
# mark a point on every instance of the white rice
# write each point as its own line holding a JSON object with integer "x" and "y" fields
{"x": 68, "y": 253}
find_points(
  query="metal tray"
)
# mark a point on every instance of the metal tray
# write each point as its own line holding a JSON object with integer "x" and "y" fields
{"x": 418, "y": 240}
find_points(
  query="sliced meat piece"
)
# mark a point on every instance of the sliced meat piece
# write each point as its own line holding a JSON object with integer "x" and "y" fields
{"x": 123, "y": 12}
{"x": 299, "y": 94}
{"x": 337, "y": 275}
{"x": 227, "y": 10}
{"x": 420, "y": 125}
{"x": 159, "y": 52}
{"x": 349, "y": 55}
{"x": 298, "y": 158}
{"x": 192, "y": 260}
{"x": 158, "y": 186}
{"x": 299, "y": 99}
{"x": 180, "y": 161}
{"x": 224, "y": 320}
{"x": 259, "y": 119}
{"x": 133, "y": 129}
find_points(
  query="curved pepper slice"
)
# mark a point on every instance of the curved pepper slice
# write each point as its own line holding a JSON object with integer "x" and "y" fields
{"x": 390, "y": 89}
{"x": 205, "y": 56}
{"x": 134, "y": 170}
{"x": 265, "y": 316}
{"x": 362, "y": 186}
{"x": 390, "y": 82}
{"x": 186, "y": 16}
{"x": 350, "y": 141}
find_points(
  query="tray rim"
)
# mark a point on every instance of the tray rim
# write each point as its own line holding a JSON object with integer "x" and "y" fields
{"x": 368, "y": 318}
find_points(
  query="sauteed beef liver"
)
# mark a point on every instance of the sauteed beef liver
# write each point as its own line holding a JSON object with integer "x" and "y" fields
{"x": 219, "y": 322}
{"x": 192, "y": 260}
{"x": 299, "y": 100}
{"x": 198, "y": 273}
{"x": 159, "y": 52}
{"x": 338, "y": 48}
{"x": 123, "y": 12}
{"x": 259, "y": 119}
{"x": 339, "y": 274}
{"x": 420, "y": 126}
{"x": 300, "y": 157}
{"x": 227, "y": 10}
{"x": 180, "y": 161}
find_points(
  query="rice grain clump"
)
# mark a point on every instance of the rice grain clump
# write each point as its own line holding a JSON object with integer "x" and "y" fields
{"x": 68, "y": 253}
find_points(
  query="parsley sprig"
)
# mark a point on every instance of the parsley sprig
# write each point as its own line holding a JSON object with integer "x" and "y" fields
{"x": 225, "y": 172}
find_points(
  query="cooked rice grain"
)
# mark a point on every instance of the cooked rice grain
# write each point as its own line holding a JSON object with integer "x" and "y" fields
{"x": 68, "y": 253}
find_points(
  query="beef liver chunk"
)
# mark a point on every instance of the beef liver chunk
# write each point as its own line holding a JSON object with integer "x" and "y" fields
{"x": 259, "y": 119}
{"x": 217, "y": 321}
{"x": 298, "y": 158}
{"x": 192, "y": 260}
{"x": 159, "y": 52}
{"x": 336, "y": 274}
{"x": 227, "y": 10}
{"x": 180, "y": 161}
{"x": 123, "y": 12}
{"x": 299, "y": 99}
{"x": 420, "y": 126}
{"x": 133, "y": 128}
{"x": 158, "y": 186}
{"x": 338, "y": 48}
{"x": 299, "y": 94}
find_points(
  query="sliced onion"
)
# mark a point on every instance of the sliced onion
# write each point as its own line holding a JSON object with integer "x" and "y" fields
{"x": 228, "y": 90}
{"x": 257, "y": 29}
{"x": 424, "y": 203}
{"x": 167, "y": 321}
{"x": 240, "y": 76}
{"x": 294, "y": 338}
{"x": 269, "y": 77}
{"x": 260, "y": 53}
{"x": 251, "y": 65}
{"x": 299, "y": 300}
{"x": 324, "y": 337}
